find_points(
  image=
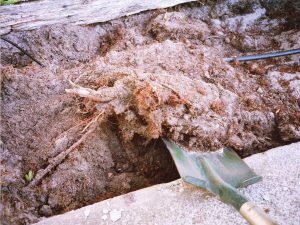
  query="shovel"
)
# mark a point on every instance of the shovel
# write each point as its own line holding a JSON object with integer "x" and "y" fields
{"x": 221, "y": 173}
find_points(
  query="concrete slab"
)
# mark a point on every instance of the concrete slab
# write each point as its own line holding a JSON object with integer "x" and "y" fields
{"x": 179, "y": 203}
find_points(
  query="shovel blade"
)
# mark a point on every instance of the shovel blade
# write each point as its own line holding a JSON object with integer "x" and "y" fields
{"x": 208, "y": 168}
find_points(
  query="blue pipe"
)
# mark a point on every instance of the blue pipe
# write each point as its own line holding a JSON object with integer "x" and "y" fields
{"x": 263, "y": 56}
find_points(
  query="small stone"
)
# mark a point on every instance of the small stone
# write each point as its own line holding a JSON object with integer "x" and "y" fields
{"x": 61, "y": 143}
{"x": 253, "y": 67}
{"x": 259, "y": 90}
{"x": 227, "y": 40}
{"x": 115, "y": 215}
{"x": 46, "y": 211}
{"x": 104, "y": 217}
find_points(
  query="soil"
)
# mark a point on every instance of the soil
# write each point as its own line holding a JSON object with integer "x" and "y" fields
{"x": 156, "y": 74}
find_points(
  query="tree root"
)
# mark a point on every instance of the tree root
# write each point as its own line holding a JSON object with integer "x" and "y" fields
{"x": 61, "y": 157}
{"x": 105, "y": 95}
{"x": 22, "y": 50}
{"x": 140, "y": 104}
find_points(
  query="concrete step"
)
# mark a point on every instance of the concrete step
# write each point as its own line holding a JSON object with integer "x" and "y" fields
{"x": 180, "y": 203}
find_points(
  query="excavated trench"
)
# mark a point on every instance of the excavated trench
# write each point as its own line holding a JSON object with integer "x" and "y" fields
{"x": 127, "y": 83}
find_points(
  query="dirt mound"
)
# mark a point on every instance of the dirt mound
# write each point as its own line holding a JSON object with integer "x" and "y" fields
{"x": 140, "y": 78}
{"x": 216, "y": 101}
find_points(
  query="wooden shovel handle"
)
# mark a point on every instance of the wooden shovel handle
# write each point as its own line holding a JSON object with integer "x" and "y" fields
{"x": 254, "y": 215}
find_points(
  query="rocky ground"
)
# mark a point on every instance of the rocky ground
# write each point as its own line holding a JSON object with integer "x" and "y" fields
{"x": 134, "y": 80}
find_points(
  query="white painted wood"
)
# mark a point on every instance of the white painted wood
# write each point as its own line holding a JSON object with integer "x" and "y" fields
{"x": 31, "y": 15}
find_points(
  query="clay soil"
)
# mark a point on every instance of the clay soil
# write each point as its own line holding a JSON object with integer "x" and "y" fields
{"x": 134, "y": 80}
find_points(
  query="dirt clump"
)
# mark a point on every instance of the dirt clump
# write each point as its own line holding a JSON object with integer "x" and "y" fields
{"x": 111, "y": 39}
{"x": 142, "y": 77}
{"x": 177, "y": 26}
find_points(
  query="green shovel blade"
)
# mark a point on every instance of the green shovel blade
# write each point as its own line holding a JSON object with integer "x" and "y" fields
{"x": 219, "y": 172}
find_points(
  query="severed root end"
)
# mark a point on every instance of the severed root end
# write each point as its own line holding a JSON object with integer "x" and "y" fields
{"x": 88, "y": 93}
{"x": 84, "y": 92}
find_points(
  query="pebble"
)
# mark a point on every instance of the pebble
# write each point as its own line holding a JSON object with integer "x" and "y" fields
{"x": 254, "y": 67}
{"x": 61, "y": 143}
{"x": 115, "y": 215}
{"x": 259, "y": 90}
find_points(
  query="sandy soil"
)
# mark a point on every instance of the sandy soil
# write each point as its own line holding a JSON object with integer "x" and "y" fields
{"x": 158, "y": 73}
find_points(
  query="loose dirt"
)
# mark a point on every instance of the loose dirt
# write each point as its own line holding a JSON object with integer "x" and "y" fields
{"x": 155, "y": 74}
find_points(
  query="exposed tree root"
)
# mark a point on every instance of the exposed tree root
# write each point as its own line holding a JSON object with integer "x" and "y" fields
{"x": 22, "y": 50}
{"x": 141, "y": 104}
{"x": 59, "y": 158}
